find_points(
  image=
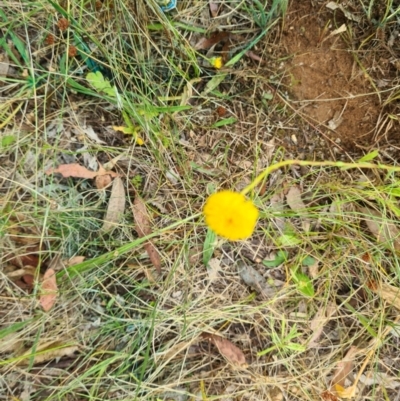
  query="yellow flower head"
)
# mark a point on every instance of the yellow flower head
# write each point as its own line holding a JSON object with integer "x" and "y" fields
{"x": 230, "y": 215}
{"x": 216, "y": 62}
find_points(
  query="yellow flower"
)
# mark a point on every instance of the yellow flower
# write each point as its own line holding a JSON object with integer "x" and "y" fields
{"x": 230, "y": 215}
{"x": 216, "y": 62}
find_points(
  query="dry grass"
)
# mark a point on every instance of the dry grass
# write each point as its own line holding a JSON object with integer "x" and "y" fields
{"x": 118, "y": 330}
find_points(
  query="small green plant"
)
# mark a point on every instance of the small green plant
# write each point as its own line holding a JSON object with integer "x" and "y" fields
{"x": 283, "y": 341}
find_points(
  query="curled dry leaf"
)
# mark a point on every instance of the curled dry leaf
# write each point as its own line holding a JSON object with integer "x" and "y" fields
{"x": 49, "y": 290}
{"x": 213, "y": 8}
{"x": 229, "y": 351}
{"x": 385, "y": 232}
{"x": 77, "y": 171}
{"x": 143, "y": 228}
{"x": 116, "y": 205}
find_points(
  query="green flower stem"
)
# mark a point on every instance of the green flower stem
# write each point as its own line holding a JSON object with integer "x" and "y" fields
{"x": 284, "y": 163}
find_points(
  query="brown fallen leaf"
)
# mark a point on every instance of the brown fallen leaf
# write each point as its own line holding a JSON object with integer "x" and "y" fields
{"x": 385, "y": 232}
{"x": 293, "y": 199}
{"x": 47, "y": 351}
{"x": 49, "y": 290}
{"x": 102, "y": 181}
{"x": 387, "y": 292}
{"x": 205, "y": 43}
{"x": 228, "y": 350}
{"x": 143, "y": 228}
{"x": 343, "y": 369}
{"x": 116, "y": 206}
{"x": 77, "y": 171}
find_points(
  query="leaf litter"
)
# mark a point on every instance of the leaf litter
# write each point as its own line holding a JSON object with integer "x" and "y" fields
{"x": 116, "y": 206}
{"x": 75, "y": 170}
{"x": 343, "y": 370}
{"x": 256, "y": 281}
{"x": 387, "y": 292}
{"x": 48, "y": 350}
{"x": 232, "y": 353}
{"x": 385, "y": 232}
{"x": 143, "y": 228}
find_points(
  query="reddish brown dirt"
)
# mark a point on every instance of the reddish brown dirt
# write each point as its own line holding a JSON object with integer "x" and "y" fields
{"x": 324, "y": 79}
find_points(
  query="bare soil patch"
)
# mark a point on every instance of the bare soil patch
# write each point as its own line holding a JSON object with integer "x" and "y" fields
{"x": 329, "y": 85}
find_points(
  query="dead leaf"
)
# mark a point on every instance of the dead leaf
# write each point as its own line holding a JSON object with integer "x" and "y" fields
{"x": 102, "y": 181}
{"x": 89, "y": 131}
{"x": 213, "y": 269}
{"x": 11, "y": 343}
{"x": 343, "y": 369}
{"x": 255, "y": 280}
{"x": 143, "y": 228}
{"x": 77, "y": 171}
{"x": 206, "y": 43}
{"x": 313, "y": 270}
{"x": 213, "y": 8}
{"x": 328, "y": 396}
{"x": 277, "y": 209}
{"x": 385, "y": 232}
{"x": 4, "y": 65}
{"x": 318, "y": 322}
{"x": 116, "y": 205}
{"x": 47, "y": 351}
{"x": 49, "y": 290}
{"x": 229, "y": 351}
{"x": 333, "y": 6}
{"x": 387, "y": 292}
{"x": 335, "y": 121}
{"x": 75, "y": 260}
{"x": 293, "y": 199}
{"x": 16, "y": 274}
{"x": 339, "y": 30}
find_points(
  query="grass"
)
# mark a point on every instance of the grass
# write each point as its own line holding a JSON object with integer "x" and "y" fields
{"x": 118, "y": 330}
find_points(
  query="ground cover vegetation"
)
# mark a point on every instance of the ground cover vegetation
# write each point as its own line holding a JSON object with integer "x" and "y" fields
{"x": 199, "y": 200}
